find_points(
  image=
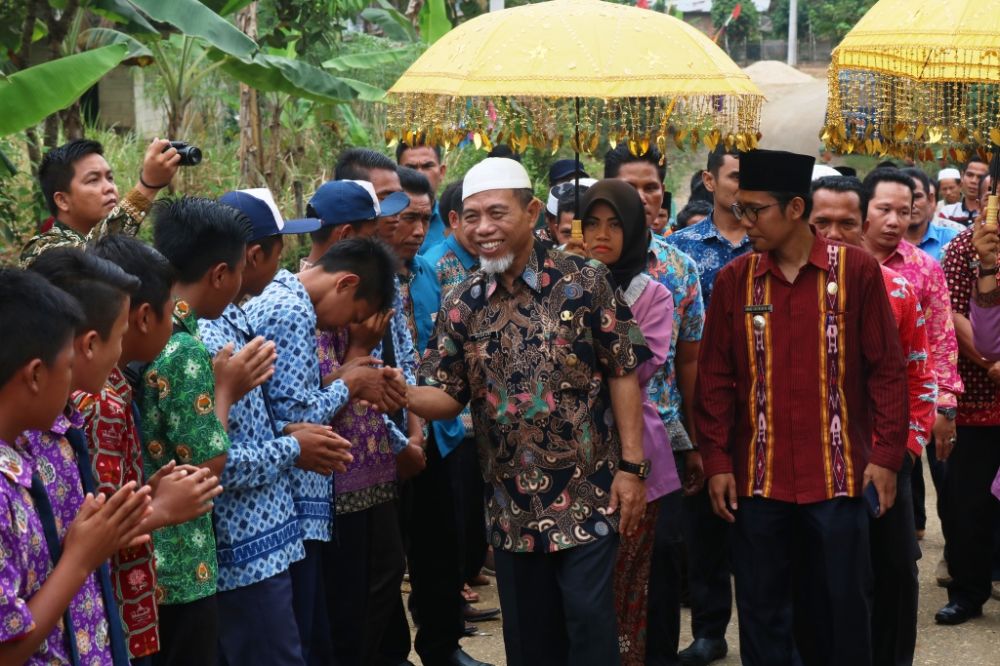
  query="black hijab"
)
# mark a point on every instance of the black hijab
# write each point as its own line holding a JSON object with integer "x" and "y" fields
{"x": 627, "y": 204}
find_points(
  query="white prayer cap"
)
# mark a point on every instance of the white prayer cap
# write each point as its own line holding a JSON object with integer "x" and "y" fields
{"x": 822, "y": 171}
{"x": 945, "y": 174}
{"x": 495, "y": 173}
{"x": 557, "y": 191}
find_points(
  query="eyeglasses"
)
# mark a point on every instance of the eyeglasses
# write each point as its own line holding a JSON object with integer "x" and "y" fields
{"x": 750, "y": 212}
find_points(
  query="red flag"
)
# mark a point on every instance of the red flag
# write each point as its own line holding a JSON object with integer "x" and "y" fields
{"x": 642, "y": 4}
{"x": 736, "y": 11}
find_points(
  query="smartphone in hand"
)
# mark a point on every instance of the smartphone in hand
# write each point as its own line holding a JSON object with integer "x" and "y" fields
{"x": 871, "y": 500}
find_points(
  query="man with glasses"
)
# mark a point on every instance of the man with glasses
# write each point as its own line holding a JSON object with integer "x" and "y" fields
{"x": 801, "y": 409}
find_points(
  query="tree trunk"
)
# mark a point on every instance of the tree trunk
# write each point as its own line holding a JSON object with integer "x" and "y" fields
{"x": 251, "y": 167}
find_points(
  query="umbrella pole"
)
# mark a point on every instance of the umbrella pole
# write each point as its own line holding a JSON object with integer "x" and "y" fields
{"x": 577, "y": 231}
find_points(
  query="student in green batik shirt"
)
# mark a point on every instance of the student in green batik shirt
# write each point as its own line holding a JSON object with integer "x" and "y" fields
{"x": 186, "y": 397}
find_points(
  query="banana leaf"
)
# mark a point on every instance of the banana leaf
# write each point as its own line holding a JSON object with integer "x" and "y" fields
{"x": 28, "y": 96}
{"x": 272, "y": 73}
{"x": 196, "y": 20}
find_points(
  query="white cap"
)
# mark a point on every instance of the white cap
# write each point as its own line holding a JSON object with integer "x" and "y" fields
{"x": 370, "y": 189}
{"x": 822, "y": 171}
{"x": 495, "y": 173}
{"x": 552, "y": 205}
{"x": 264, "y": 194}
{"x": 945, "y": 174}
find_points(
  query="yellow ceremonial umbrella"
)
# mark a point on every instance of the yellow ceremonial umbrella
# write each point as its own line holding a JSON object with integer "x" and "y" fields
{"x": 917, "y": 75}
{"x": 571, "y": 72}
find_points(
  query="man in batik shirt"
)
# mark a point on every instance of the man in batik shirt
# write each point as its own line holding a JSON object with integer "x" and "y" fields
{"x": 80, "y": 192}
{"x": 546, "y": 355}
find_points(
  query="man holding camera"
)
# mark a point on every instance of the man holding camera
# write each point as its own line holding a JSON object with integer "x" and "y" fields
{"x": 80, "y": 191}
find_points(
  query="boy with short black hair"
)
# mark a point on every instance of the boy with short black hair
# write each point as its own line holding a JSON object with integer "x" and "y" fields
{"x": 103, "y": 290}
{"x": 111, "y": 424}
{"x": 185, "y": 405}
{"x": 255, "y": 554}
{"x": 351, "y": 282}
{"x": 44, "y": 606}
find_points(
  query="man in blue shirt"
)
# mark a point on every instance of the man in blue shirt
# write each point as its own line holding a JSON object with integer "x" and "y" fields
{"x": 927, "y": 233}
{"x": 255, "y": 555}
{"x": 712, "y": 243}
{"x": 719, "y": 238}
{"x": 427, "y": 160}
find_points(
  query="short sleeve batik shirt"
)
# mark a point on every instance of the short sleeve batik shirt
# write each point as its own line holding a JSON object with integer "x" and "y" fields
{"x": 533, "y": 362}
{"x": 179, "y": 423}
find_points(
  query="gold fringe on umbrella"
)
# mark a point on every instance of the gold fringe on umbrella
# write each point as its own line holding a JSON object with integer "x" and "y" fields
{"x": 913, "y": 102}
{"x": 547, "y": 124}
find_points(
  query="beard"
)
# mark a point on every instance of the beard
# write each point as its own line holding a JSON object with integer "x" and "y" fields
{"x": 496, "y": 266}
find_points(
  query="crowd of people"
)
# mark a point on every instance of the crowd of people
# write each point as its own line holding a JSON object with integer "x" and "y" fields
{"x": 209, "y": 459}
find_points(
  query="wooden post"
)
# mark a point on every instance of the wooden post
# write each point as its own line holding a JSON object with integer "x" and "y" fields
{"x": 251, "y": 167}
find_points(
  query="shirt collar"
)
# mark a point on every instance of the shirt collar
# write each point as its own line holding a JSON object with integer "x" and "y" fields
{"x": 467, "y": 259}
{"x": 237, "y": 318}
{"x": 120, "y": 385}
{"x": 531, "y": 275}
{"x": 67, "y": 230}
{"x": 818, "y": 257}
{"x": 706, "y": 230}
{"x": 70, "y": 418}
{"x": 14, "y": 466}
{"x": 185, "y": 315}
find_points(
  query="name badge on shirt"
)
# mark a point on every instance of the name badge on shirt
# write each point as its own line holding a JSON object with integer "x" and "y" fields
{"x": 757, "y": 309}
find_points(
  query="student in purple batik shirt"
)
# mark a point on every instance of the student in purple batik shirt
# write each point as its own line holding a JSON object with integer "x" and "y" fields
{"x": 51, "y": 610}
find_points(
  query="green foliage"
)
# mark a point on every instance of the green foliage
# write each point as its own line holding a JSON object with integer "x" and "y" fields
{"x": 392, "y": 22}
{"x": 30, "y": 95}
{"x": 434, "y": 22}
{"x": 835, "y": 18}
{"x": 746, "y": 27}
{"x": 196, "y": 20}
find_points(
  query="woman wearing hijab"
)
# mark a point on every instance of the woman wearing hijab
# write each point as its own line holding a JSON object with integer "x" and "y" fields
{"x": 615, "y": 233}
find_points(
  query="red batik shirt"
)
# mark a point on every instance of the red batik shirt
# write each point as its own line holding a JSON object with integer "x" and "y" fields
{"x": 801, "y": 384}
{"x": 980, "y": 404}
{"x": 919, "y": 367}
{"x": 116, "y": 458}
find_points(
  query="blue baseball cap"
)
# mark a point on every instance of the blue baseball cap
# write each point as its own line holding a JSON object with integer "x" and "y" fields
{"x": 339, "y": 202}
{"x": 561, "y": 169}
{"x": 265, "y": 218}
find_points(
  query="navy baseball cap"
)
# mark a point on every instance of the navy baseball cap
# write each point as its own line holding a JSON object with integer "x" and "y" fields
{"x": 564, "y": 169}
{"x": 265, "y": 218}
{"x": 343, "y": 201}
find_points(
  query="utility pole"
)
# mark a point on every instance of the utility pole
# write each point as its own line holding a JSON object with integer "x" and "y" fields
{"x": 793, "y": 32}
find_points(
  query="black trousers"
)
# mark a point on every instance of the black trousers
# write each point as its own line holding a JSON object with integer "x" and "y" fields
{"x": 363, "y": 569}
{"x": 803, "y": 582}
{"x": 559, "y": 608}
{"x": 256, "y": 627}
{"x": 189, "y": 634}
{"x": 969, "y": 530}
{"x": 471, "y": 493}
{"x": 664, "y": 612}
{"x": 435, "y": 557}
{"x": 707, "y": 543}
{"x": 896, "y": 589}
{"x": 938, "y": 469}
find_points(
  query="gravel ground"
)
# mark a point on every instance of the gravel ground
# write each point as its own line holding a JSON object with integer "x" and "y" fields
{"x": 976, "y": 643}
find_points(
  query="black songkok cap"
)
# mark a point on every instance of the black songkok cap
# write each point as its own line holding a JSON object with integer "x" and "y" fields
{"x": 847, "y": 171}
{"x": 776, "y": 171}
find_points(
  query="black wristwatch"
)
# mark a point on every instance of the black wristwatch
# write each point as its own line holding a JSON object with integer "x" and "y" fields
{"x": 986, "y": 272}
{"x": 948, "y": 412}
{"x": 639, "y": 469}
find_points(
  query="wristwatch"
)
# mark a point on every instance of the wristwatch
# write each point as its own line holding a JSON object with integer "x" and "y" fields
{"x": 639, "y": 469}
{"x": 948, "y": 412}
{"x": 986, "y": 272}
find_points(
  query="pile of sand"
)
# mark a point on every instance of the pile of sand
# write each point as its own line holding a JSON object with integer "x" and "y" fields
{"x": 775, "y": 72}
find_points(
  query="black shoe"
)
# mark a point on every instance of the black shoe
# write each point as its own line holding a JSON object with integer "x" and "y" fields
{"x": 480, "y": 614}
{"x": 703, "y": 651}
{"x": 470, "y": 630}
{"x": 462, "y": 658}
{"x": 956, "y": 613}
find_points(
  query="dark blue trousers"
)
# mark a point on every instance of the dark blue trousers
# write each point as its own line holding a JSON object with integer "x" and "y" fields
{"x": 803, "y": 582}
{"x": 559, "y": 608}
{"x": 309, "y": 604}
{"x": 257, "y": 626}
